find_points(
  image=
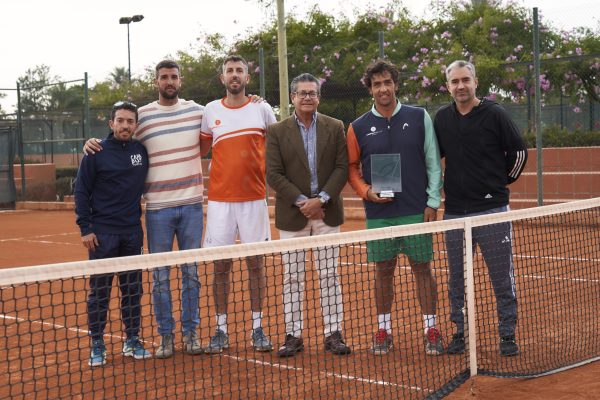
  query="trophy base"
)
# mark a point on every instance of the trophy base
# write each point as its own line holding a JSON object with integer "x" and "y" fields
{"x": 386, "y": 194}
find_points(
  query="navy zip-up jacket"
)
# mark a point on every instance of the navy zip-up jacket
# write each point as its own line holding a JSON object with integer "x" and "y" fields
{"x": 484, "y": 153}
{"x": 109, "y": 188}
{"x": 409, "y": 132}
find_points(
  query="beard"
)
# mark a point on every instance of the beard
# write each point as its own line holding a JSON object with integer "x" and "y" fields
{"x": 170, "y": 96}
{"x": 238, "y": 89}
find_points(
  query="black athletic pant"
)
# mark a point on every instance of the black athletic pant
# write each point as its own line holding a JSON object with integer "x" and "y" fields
{"x": 495, "y": 242}
{"x": 130, "y": 285}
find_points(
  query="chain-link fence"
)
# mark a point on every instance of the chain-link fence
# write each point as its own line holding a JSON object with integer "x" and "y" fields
{"x": 52, "y": 137}
{"x": 50, "y": 121}
{"x": 57, "y": 136}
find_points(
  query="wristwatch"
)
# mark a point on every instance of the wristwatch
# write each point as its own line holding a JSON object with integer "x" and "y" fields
{"x": 322, "y": 200}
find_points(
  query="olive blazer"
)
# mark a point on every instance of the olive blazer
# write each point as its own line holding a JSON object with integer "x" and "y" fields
{"x": 288, "y": 172}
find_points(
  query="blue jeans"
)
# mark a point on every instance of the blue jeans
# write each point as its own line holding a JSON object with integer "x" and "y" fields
{"x": 162, "y": 226}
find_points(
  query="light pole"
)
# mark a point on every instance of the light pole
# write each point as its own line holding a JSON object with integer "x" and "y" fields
{"x": 127, "y": 21}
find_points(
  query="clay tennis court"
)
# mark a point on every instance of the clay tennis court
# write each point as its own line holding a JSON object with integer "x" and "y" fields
{"x": 47, "y": 326}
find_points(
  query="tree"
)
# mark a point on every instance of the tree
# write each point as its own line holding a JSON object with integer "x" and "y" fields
{"x": 119, "y": 77}
{"x": 35, "y": 92}
{"x": 495, "y": 35}
{"x": 63, "y": 97}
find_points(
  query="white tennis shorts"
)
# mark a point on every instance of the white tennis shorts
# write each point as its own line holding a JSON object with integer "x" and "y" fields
{"x": 227, "y": 220}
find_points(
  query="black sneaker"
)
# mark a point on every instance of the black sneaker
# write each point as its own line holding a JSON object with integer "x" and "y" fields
{"x": 508, "y": 346}
{"x": 334, "y": 343}
{"x": 291, "y": 346}
{"x": 457, "y": 344}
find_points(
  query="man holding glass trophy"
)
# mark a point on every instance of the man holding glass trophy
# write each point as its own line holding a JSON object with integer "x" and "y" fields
{"x": 394, "y": 166}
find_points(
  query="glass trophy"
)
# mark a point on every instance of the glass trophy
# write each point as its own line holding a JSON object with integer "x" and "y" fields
{"x": 385, "y": 174}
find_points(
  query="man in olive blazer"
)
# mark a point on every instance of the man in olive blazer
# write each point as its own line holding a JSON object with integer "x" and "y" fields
{"x": 307, "y": 167}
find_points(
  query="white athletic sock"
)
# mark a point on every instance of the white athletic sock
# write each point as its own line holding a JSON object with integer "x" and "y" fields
{"x": 428, "y": 321}
{"x": 222, "y": 322}
{"x": 385, "y": 322}
{"x": 256, "y": 319}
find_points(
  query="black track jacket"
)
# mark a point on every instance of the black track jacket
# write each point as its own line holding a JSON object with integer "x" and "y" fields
{"x": 484, "y": 153}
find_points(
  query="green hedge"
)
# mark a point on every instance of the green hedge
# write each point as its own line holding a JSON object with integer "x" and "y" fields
{"x": 553, "y": 136}
{"x": 64, "y": 187}
{"x": 66, "y": 172}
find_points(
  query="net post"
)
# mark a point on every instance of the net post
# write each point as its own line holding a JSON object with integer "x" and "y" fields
{"x": 470, "y": 289}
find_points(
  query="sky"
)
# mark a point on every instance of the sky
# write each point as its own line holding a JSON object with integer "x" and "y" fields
{"x": 77, "y": 36}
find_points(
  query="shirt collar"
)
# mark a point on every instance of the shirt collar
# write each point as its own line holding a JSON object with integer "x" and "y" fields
{"x": 299, "y": 122}
{"x": 398, "y": 106}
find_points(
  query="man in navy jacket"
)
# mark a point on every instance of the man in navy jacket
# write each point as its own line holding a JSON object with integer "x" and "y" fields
{"x": 484, "y": 153}
{"x": 107, "y": 203}
{"x": 394, "y": 128}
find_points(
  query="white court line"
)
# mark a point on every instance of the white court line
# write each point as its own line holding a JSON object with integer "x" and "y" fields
{"x": 30, "y": 238}
{"x": 554, "y": 278}
{"x": 523, "y": 256}
{"x": 57, "y": 326}
{"x": 329, "y": 374}
{"x": 556, "y": 258}
{"x": 553, "y": 258}
{"x": 50, "y": 242}
{"x": 240, "y": 359}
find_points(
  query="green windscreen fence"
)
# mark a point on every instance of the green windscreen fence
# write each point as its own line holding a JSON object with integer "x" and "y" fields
{"x": 7, "y": 183}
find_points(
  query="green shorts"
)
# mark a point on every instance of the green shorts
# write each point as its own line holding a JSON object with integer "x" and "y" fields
{"x": 418, "y": 248}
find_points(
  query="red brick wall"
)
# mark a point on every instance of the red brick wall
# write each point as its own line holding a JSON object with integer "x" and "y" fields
{"x": 39, "y": 179}
{"x": 571, "y": 173}
{"x": 568, "y": 174}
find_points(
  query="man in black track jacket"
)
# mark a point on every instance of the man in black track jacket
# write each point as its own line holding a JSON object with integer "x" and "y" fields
{"x": 484, "y": 153}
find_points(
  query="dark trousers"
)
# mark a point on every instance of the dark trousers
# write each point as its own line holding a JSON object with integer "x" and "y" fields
{"x": 495, "y": 242}
{"x": 130, "y": 284}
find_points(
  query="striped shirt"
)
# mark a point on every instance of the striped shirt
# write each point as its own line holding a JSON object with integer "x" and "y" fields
{"x": 171, "y": 135}
{"x": 237, "y": 171}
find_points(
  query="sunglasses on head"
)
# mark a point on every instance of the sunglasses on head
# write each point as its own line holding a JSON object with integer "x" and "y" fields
{"x": 124, "y": 104}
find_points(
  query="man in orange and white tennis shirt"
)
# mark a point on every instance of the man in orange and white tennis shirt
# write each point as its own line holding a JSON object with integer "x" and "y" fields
{"x": 237, "y": 193}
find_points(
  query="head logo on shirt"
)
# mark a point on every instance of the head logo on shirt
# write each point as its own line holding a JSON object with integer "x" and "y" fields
{"x": 136, "y": 160}
{"x": 218, "y": 122}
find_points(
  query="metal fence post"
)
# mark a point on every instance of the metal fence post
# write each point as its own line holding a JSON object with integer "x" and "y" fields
{"x": 538, "y": 105}
{"x": 561, "y": 110}
{"x": 591, "y": 102}
{"x": 284, "y": 110}
{"x": 261, "y": 75}
{"x": 20, "y": 128}
{"x": 86, "y": 107}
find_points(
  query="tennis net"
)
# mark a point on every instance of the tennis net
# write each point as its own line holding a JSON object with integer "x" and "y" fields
{"x": 45, "y": 335}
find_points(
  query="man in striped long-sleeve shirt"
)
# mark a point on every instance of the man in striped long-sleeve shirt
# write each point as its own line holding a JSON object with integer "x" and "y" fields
{"x": 484, "y": 153}
{"x": 169, "y": 128}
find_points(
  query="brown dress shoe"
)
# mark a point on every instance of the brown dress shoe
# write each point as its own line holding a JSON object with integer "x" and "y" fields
{"x": 291, "y": 346}
{"x": 334, "y": 343}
